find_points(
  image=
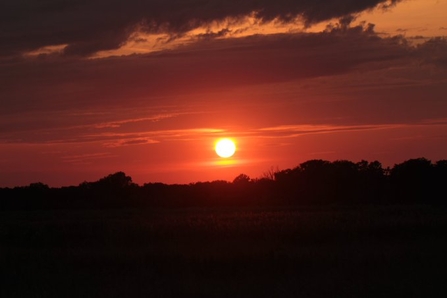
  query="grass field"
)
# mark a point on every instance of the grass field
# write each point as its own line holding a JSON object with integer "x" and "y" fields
{"x": 387, "y": 251}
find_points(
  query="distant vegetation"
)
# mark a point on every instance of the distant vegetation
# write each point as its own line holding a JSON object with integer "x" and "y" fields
{"x": 322, "y": 229}
{"x": 314, "y": 182}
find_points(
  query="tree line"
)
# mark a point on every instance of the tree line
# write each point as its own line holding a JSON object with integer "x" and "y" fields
{"x": 314, "y": 182}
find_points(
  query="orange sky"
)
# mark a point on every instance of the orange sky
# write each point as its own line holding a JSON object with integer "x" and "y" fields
{"x": 148, "y": 90}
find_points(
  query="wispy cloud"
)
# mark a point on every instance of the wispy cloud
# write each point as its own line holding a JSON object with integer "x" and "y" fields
{"x": 129, "y": 142}
{"x": 155, "y": 118}
{"x": 111, "y": 139}
{"x": 290, "y": 131}
{"x": 80, "y": 159}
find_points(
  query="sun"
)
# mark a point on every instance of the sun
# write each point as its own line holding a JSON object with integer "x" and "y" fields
{"x": 225, "y": 148}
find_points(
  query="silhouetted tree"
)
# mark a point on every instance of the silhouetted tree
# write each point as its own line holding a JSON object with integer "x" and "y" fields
{"x": 440, "y": 182}
{"x": 38, "y": 186}
{"x": 242, "y": 179}
{"x": 312, "y": 182}
{"x": 412, "y": 180}
{"x": 343, "y": 181}
{"x": 119, "y": 180}
{"x": 270, "y": 173}
{"x": 114, "y": 190}
{"x": 372, "y": 182}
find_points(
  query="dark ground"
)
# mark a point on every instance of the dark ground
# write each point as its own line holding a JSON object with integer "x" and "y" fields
{"x": 368, "y": 251}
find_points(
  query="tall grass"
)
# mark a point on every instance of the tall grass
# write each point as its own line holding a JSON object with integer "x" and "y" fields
{"x": 384, "y": 251}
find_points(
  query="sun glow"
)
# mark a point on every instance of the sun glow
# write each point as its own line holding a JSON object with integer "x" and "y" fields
{"x": 225, "y": 148}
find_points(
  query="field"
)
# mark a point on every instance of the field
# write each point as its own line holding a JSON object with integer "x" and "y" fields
{"x": 368, "y": 251}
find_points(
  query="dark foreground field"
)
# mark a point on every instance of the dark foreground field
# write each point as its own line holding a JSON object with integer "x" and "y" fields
{"x": 393, "y": 251}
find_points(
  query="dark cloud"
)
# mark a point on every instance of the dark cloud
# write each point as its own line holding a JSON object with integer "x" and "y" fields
{"x": 198, "y": 67}
{"x": 91, "y": 26}
{"x": 433, "y": 51}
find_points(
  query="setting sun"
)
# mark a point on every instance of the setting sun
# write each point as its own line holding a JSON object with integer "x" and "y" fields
{"x": 225, "y": 148}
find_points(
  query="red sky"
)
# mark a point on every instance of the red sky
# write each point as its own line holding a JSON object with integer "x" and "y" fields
{"x": 91, "y": 88}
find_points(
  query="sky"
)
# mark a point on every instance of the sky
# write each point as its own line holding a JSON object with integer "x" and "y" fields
{"x": 90, "y": 88}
